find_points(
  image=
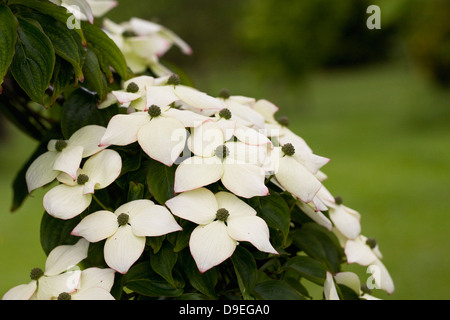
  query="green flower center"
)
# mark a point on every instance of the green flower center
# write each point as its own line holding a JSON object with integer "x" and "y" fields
{"x": 60, "y": 145}
{"x": 283, "y": 120}
{"x": 36, "y": 273}
{"x": 225, "y": 113}
{"x": 132, "y": 87}
{"x": 338, "y": 200}
{"x": 224, "y": 94}
{"x": 64, "y": 296}
{"x": 174, "y": 79}
{"x": 122, "y": 219}
{"x": 371, "y": 242}
{"x": 222, "y": 152}
{"x": 154, "y": 111}
{"x": 128, "y": 34}
{"x": 288, "y": 149}
{"x": 82, "y": 179}
{"x": 222, "y": 214}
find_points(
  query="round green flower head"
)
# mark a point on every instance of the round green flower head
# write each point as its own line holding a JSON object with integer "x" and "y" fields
{"x": 222, "y": 214}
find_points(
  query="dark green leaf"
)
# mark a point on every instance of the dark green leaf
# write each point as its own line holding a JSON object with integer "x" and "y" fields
{"x": 80, "y": 109}
{"x": 94, "y": 79}
{"x": 33, "y": 62}
{"x": 203, "y": 282}
{"x": 142, "y": 280}
{"x": 155, "y": 242}
{"x": 160, "y": 181}
{"x": 56, "y": 232}
{"x": 111, "y": 54}
{"x": 277, "y": 290}
{"x": 182, "y": 237}
{"x": 163, "y": 262}
{"x": 62, "y": 76}
{"x": 274, "y": 210}
{"x": 308, "y": 268}
{"x": 135, "y": 191}
{"x": 65, "y": 42}
{"x": 318, "y": 243}
{"x": 245, "y": 268}
{"x": 59, "y": 13}
{"x": 8, "y": 31}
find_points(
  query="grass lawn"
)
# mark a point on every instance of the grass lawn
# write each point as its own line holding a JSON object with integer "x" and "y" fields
{"x": 387, "y": 134}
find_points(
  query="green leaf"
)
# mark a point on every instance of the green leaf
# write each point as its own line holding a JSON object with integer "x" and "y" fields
{"x": 59, "y": 13}
{"x": 8, "y": 31}
{"x": 245, "y": 268}
{"x": 277, "y": 290}
{"x": 80, "y": 109}
{"x": 182, "y": 237}
{"x": 274, "y": 210}
{"x": 163, "y": 262}
{"x": 65, "y": 42}
{"x": 203, "y": 282}
{"x": 94, "y": 79}
{"x": 160, "y": 181}
{"x": 111, "y": 54}
{"x": 142, "y": 280}
{"x": 308, "y": 268}
{"x": 135, "y": 191}
{"x": 319, "y": 244}
{"x": 62, "y": 76}
{"x": 56, "y": 232}
{"x": 32, "y": 65}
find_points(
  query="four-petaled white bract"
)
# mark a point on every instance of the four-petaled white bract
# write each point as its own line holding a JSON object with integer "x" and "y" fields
{"x": 72, "y": 197}
{"x": 223, "y": 220}
{"x": 126, "y": 239}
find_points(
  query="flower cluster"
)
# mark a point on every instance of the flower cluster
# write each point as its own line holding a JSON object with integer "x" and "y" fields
{"x": 225, "y": 151}
{"x": 62, "y": 279}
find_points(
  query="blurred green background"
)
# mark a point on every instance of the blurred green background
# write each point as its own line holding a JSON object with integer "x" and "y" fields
{"x": 377, "y": 102}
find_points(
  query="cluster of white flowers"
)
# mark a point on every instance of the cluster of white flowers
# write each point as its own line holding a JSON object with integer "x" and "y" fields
{"x": 62, "y": 279}
{"x": 236, "y": 140}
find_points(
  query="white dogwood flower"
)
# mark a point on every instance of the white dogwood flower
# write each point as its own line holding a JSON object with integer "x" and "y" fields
{"x": 143, "y": 43}
{"x": 348, "y": 279}
{"x": 101, "y": 7}
{"x": 345, "y": 219}
{"x": 223, "y": 219}
{"x": 70, "y": 198}
{"x": 94, "y": 284}
{"x": 236, "y": 164}
{"x": 57, "y": 277}
{"x": 161, "y": 132}
{"x": 64, "y": 156}
{"x": 365, "y": 251}
{"x": 125, "y": 230}
{"x": 292, "y": 174}
{"x": 142, "y": 92}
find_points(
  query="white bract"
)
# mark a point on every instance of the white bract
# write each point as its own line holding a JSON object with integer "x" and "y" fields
{"x": 58, "y": 276}
{"x": 143, "y": 43}
{"x": 142, "y": 92}
{"x": 70, "y": 198}
{"x": 161, "y": 132}
{"x": 365, "y": 251}
{"x": 236, "y": 164}
{"x": 95, "y": 284}
{"x": 64, "y": 156}
{"x": 125, "y": 230}
{"x": 223, "y": 220}
{"x": 346, "y": 278}
{"x": 293, "y": 175}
